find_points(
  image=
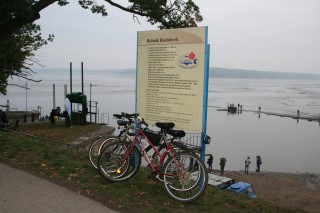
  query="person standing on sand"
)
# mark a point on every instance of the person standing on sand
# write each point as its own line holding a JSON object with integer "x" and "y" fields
{"x": 210, "y": 161}
{"x": 247, "y": 163}
{"x": 222, "y": 165}
{"x": 259, "y": 162}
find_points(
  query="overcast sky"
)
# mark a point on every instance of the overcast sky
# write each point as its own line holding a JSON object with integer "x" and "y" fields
{"x": 266, "y": 35}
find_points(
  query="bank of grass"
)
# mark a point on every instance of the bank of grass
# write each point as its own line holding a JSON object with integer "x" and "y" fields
{"x": 57, "y": 132}
{"x": 72, "y": 169}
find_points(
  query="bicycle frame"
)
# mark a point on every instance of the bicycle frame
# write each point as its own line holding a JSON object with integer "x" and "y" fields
{"x": 183, "y": 173}
{"x": 137, "y": 142}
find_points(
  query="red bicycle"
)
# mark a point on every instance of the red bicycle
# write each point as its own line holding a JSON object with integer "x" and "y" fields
{"x": 182, "y": 172}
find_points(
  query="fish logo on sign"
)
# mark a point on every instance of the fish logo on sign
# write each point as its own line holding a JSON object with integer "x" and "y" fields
{"x": 188, "y": 61}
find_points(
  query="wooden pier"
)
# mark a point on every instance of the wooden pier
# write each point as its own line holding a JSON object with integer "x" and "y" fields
{"x": 293, "y": 116}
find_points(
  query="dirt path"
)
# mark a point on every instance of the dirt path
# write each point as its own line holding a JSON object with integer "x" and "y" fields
{"x": 287, "y": 189}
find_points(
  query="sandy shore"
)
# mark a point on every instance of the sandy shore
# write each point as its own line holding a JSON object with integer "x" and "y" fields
{"x": 300, "y": 190}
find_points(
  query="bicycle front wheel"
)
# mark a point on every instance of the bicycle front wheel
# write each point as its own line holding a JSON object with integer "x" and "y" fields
{"x": 96, "y": 147}
{"x": 185, "y": 177}
{"x": 110, "y": 165}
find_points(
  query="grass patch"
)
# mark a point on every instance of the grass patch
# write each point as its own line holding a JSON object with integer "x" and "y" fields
{"x": 57, "y": 132}
{"x": 73, "y": 170}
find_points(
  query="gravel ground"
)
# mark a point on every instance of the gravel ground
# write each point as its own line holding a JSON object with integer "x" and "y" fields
{"x": 301, "y": 190}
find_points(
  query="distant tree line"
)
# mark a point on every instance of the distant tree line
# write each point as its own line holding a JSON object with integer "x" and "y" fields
{"x": 241, "y": 73}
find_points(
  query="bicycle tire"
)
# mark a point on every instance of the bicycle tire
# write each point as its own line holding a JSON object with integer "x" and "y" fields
{"x": 190, "y": 182}
{"x": 109, "y": 163}
{"x": 95, "y": 149}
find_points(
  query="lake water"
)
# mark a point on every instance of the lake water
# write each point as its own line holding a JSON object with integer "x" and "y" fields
{"x": 284, "y": 144}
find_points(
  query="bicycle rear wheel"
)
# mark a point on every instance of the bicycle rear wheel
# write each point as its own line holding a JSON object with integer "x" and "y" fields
{"x": 96, "y": 147}
{"x": 185, "y": 177}
{"x": 110, "y": 165}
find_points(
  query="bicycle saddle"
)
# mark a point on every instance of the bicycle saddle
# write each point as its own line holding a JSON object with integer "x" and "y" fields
{"x": 176, "y": 133}
{"x": 165, "y": 125}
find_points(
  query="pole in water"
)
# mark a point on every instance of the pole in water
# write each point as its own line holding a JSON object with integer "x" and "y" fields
{"x": 70, "y": 77}
{"x": 54, "y": 96}
{"x": 82, "y": 76}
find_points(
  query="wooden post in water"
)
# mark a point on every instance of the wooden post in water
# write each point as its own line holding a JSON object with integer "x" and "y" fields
{"x": 82, "y": 77}
{"x": 70, "y": 77}
{"x": 65, "y": 96}
{"x": 54, "y": 96}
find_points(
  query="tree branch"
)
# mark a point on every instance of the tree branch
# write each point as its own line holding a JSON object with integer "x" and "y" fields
{"x": 130, "y": 10}
{"x": 17, "y": 85}
{"x": 8, "y": 28}
{"x": 123, "y": 8}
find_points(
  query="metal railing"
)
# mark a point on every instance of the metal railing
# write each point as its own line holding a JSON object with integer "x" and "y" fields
{"x": 192, "y": 140}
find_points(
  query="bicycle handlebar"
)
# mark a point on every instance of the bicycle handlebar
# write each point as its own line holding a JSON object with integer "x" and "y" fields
{"x": 130, "y": 117}
{"x": 133, "y": 115}
{"x": 118, "y": 116}
{"x": 126, "y": 115}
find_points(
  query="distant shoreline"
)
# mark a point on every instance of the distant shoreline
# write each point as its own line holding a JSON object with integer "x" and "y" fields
{"x": 214, "y": 72}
